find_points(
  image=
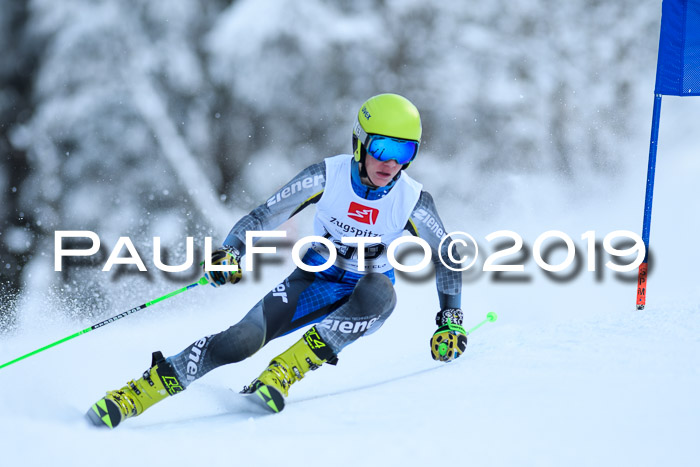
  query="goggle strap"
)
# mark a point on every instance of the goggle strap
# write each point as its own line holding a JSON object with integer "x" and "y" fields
{"x": 362, "y": 135}
{"x": 364, "y": 138}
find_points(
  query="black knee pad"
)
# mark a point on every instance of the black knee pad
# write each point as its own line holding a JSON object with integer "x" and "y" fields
{"x": 374, "y": 293}
{"x": 369, "y": 306}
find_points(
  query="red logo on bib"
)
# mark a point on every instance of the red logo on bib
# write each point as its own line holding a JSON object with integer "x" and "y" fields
{"x": 363, "y": 214}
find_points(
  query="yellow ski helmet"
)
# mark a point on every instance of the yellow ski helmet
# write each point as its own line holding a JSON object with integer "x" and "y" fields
{"x": 388, "y": 127}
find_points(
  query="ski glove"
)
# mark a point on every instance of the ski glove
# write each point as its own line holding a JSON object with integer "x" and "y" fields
{"x": 450, "y": 338}
{"x": 226, "y": 256}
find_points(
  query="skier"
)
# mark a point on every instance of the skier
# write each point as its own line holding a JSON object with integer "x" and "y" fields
{"x": 366, "y": 194}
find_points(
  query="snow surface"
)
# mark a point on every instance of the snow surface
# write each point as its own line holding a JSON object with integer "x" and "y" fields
{"x": 570, "y": 374}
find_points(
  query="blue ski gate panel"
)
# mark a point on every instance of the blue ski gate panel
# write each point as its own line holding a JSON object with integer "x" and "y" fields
{"x": 678, "y": 65}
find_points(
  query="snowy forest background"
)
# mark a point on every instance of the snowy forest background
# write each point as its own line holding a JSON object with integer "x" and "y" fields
{"x": 173, "y": 118}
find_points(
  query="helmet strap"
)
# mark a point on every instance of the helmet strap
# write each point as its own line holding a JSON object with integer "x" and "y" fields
{"x": 363, "y": 169}
{"x": 363, "y": 156}
{"x": 364, "y": 174}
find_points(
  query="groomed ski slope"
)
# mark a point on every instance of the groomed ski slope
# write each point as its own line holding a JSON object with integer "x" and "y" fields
{"x": 569, "y": 375}
{"x": 605, "y": 386}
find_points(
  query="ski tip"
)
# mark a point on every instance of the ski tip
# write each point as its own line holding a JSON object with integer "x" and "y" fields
{"x": 491, "y": 316}
{"x": 271, "y": 398}
{"x": 105, "y": 414}
{"x": 267, "y": 396}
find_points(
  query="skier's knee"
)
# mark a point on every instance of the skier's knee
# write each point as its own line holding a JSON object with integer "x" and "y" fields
{"x": 374, "y": 293}
{"x": 369, "y": 306}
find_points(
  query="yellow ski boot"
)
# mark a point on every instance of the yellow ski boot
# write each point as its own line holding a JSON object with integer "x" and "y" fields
{"x": 157, "y": 383}
{"x": 307, "y": 354}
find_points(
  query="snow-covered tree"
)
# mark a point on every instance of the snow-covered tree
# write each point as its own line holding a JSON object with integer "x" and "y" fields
{"x": 147, "y": 118}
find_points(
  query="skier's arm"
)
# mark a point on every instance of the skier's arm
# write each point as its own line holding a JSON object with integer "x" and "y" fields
{"x": 450, "y": 339}
{"x": 426, "y": 224}
{"x": 304, "y": 189}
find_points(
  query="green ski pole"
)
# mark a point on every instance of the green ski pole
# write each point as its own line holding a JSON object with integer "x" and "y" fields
{"x": 202, "y": 281}
{"x": 490, "y": 317}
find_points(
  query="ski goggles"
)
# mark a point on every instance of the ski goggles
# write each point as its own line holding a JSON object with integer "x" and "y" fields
{"x": 385, "y": 148}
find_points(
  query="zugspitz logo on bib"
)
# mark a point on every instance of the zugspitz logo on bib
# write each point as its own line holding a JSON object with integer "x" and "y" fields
{"x": 363, "y": 214}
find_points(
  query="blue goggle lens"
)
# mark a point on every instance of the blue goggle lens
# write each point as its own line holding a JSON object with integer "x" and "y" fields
{"x": 384, "y": 148}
